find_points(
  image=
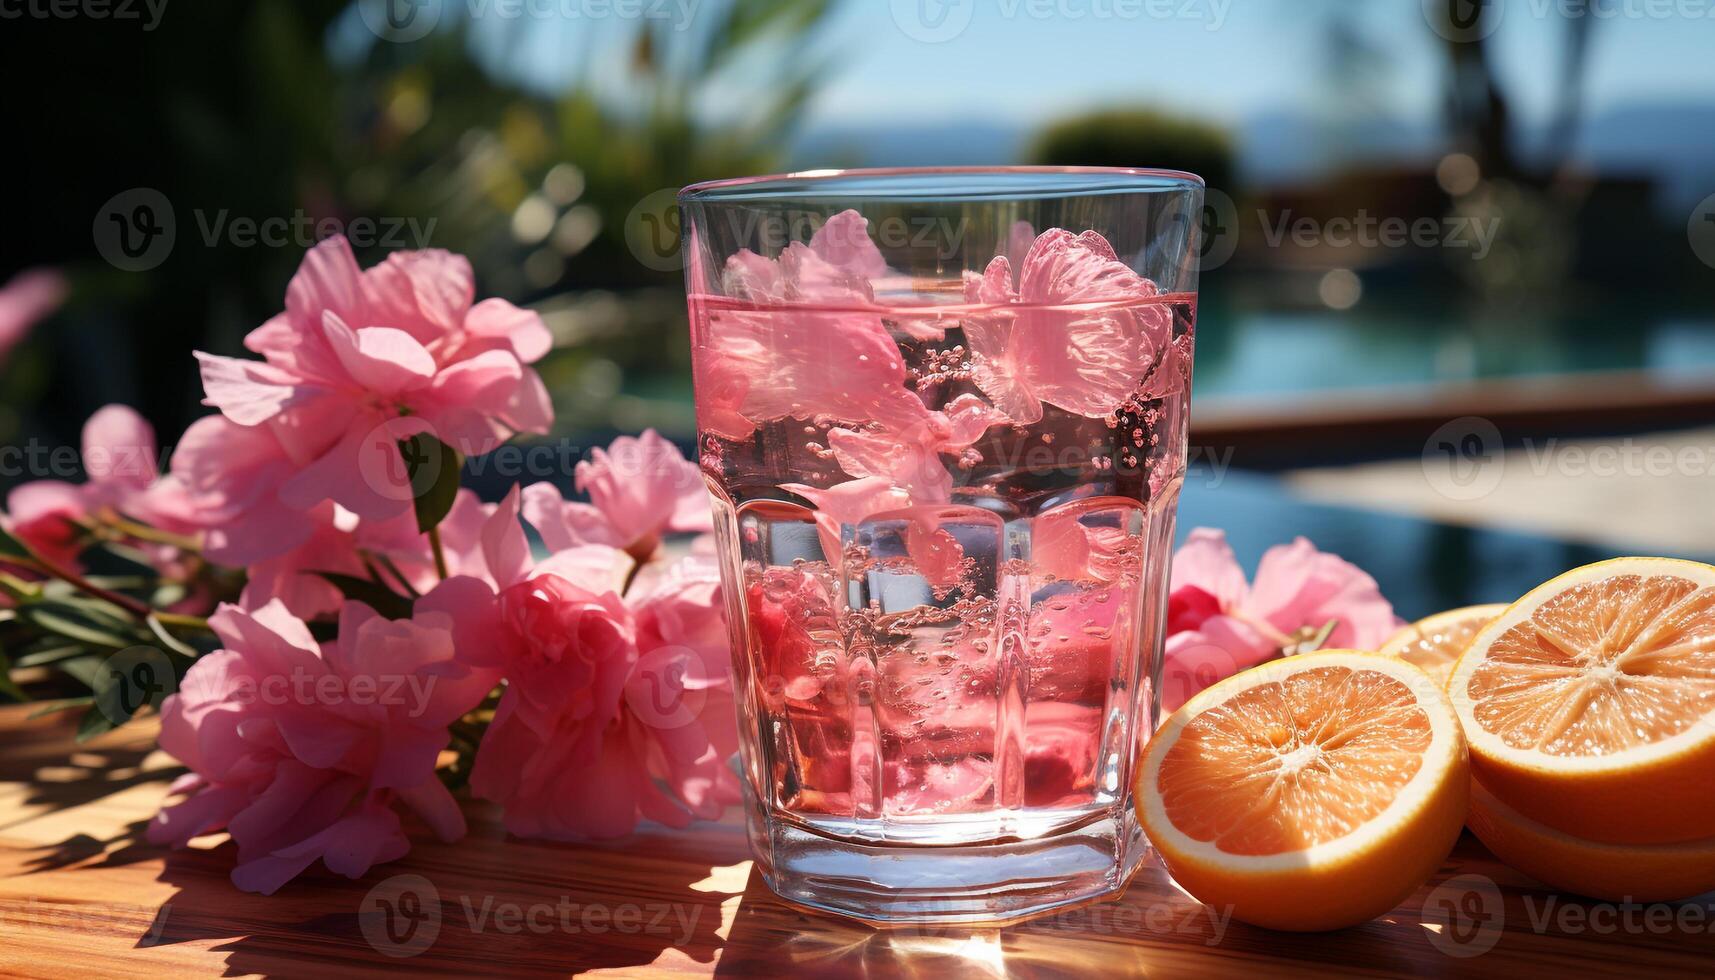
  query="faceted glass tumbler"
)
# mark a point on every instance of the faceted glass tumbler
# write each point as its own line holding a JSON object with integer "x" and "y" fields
{"x": 942, "y": 418}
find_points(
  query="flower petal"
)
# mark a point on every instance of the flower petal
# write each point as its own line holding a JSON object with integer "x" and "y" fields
{"x": 383, "y": 360}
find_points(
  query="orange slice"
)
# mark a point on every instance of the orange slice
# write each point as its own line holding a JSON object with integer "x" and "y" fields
{"x": 1617, "y": 872}
{"x": 1435, "y": 642}
{"x": 1308, "y": 793}
{"x": 1590, "y": 703}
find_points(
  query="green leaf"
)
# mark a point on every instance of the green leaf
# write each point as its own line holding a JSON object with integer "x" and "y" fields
{"x": 8, "y": 686}
{"x": 133, "y": 680}
{"x": 51, "y": 652}
{"x": 433, "y": 468}
{"x": 94, "y": 723}
{"x": 84, "y": 621}
{"x": 376, "y": 596}
{"x": 54, "y": 707}
{"x": 85, "y": 669}
{"x": 168, "y": 640}
{"x": 11, "y": 546}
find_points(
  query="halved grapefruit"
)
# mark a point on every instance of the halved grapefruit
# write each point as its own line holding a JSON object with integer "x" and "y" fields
{"x": 1435, "y": 642}
{"x": 1308, "y": 793}
{"x": 1617, "y": 872}
{"x": 1590, "y": 703}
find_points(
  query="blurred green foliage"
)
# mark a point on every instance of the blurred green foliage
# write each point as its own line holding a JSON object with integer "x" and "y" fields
{"x": 293, "y": 110}
{"x": 1121, "y": 137}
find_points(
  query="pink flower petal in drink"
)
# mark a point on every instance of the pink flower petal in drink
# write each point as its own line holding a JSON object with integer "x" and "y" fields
{"x": 843, "y": 242}
{"x": 848, "y": 504}
{"x": 1086, "y": 361}
{"x": 911, "y": 457}
{"x": 937, "y": 553}
{"x": 829, "y": 356}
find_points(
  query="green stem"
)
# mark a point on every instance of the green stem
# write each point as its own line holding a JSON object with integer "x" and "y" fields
{"x": 405, "y": 583}
{"x": 135, "y": 607}
{"x": 144, "y": 532}
{"x": 440, "y": 554}
{"x": 184, "y": 621}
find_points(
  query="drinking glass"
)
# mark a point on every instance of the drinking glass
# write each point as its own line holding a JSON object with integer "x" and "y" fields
{"x": 941, "y": 414}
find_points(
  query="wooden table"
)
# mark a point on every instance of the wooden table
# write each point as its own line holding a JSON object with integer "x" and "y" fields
{"x": 81, "y": 894}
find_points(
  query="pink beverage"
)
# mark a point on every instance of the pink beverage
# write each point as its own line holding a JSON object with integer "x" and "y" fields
{"x": 944, "y": 485}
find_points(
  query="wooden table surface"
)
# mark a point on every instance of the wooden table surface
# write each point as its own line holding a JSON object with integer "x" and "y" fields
{"x": 81, "y": 894}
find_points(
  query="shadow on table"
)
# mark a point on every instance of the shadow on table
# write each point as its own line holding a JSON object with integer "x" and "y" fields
{"x": 1152, "y": 928}
{"x": 488, "y": 907}
{"x": 56, "y": 782}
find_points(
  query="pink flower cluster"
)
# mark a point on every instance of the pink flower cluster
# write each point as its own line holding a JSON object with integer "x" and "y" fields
{"x": 1218, "y": 624}
{"x": 588, "y": 678}
{"x": 616, "y": 704}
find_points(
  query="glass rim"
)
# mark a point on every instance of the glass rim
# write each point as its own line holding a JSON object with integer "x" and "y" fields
{"x": 942, "y": 183}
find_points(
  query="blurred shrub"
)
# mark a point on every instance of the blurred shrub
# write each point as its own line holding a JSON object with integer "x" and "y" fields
{"x": 1137, "y": 138}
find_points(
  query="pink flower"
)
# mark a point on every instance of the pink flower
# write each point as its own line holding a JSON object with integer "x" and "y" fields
{"x": 361, "y": 359}
{"x": 848, "y": 504}
{"x": 375, "y": 550}
{"x": 664, "y": 757}
{"x": 232, "y": 476}
{"x": 1219, "y": 625}
{"x": 119, "y": 459}
{"x": 639, "y": 488}
{"x": 1088, "y": 362}
{"x": 605, "y": 695}
{"x": 911, "y": 457}
{"x": 24, "y": 300}
{"x": 299, "y": 750}
{"x": 756, "y": 365}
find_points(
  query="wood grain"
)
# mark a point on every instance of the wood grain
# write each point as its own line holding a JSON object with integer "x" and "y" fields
{"x": 81, "y": 894}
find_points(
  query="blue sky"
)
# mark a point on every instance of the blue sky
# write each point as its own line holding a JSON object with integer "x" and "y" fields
{"x": 1264, "y": 55}
{"x": 1027, "y": 61}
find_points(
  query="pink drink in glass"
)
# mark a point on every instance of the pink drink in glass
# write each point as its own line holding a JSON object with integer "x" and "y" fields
{"x": 944, "y": 470}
